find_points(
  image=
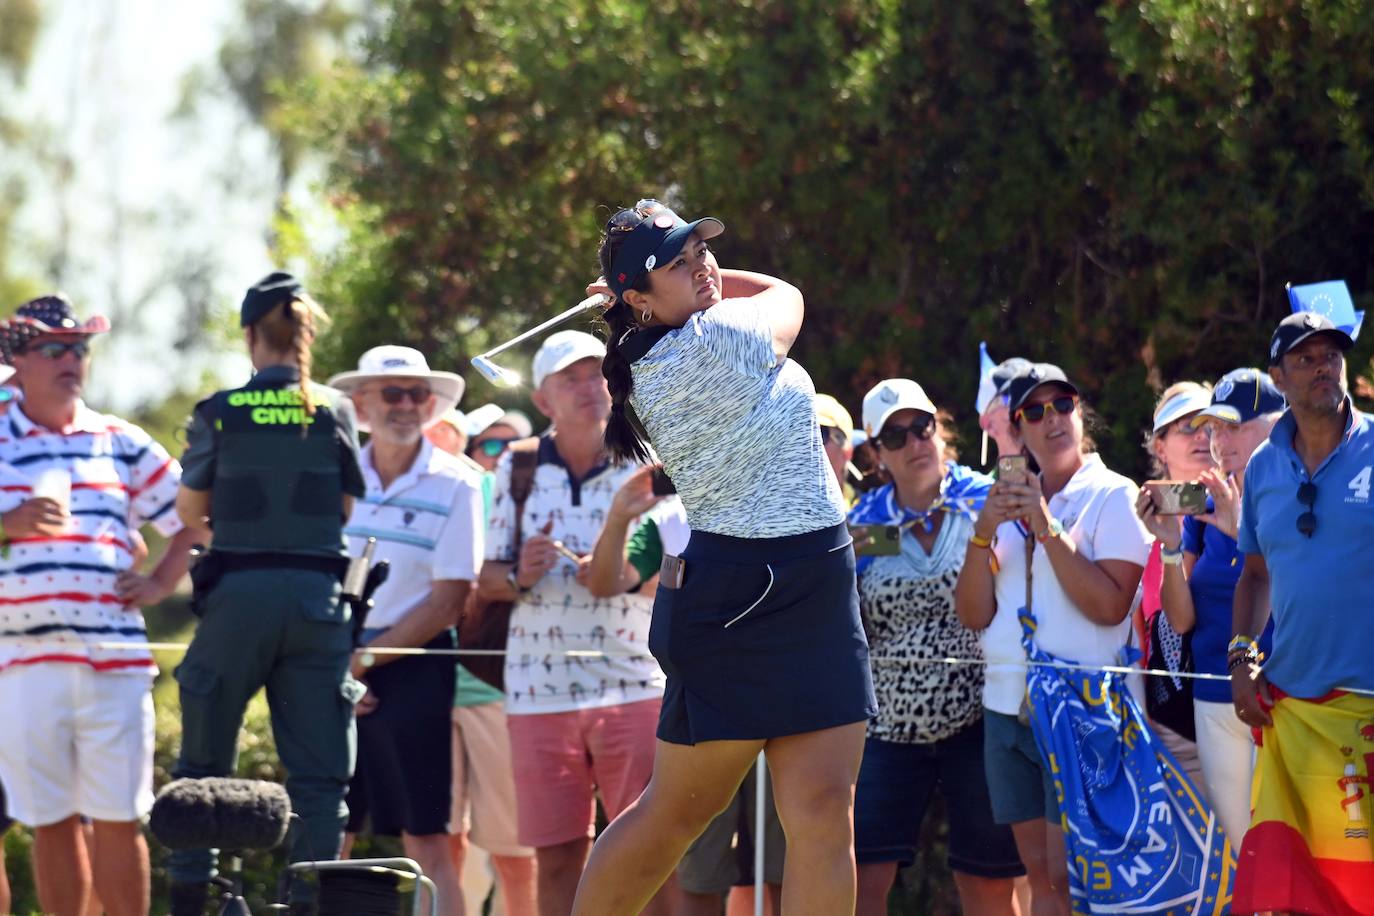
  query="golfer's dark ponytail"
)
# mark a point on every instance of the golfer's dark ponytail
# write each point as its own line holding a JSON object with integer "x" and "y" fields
{"x": 624, "y": 441}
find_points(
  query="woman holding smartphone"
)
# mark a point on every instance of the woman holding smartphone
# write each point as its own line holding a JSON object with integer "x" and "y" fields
{"x": 929, "y": 727}
{"x": 1201, "y": 566}
{"x": 1076, "y": 523}
{"x": 1178, "y": 450}
{"x": 757, "y": 626}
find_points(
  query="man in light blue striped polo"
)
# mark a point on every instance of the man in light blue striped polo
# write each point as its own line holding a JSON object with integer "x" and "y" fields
{"x": 424, "y": 507}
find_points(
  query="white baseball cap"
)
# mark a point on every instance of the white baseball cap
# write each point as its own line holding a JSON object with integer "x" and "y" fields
{"x": 488, "y": 415}
{"x": 889, "y": 396}
{"x": 563, "y": 349}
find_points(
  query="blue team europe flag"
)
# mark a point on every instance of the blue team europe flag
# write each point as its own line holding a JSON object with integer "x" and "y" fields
{"x": 1330, "y": 298}
{"x": 1139, "y": 837}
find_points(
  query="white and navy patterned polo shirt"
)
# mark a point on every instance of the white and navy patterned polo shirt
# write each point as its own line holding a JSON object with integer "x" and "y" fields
{"x": 57, "y": 594}
{"x": 735, "y": 427}
{"x": 558, "y": 614}
{"x": 428, "y": 525}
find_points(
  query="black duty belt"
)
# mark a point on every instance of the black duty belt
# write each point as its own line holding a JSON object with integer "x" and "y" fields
{"x": 234, "y": 562}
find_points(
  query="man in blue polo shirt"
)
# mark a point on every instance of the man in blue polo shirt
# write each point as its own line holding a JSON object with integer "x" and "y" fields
{"x": 1306, "y": 529}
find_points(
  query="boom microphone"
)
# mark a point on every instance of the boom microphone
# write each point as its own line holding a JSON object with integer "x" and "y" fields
{"x": 221, "y": 813}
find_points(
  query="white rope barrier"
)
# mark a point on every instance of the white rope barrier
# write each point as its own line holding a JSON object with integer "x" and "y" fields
{"x": 761, "y": 773}
{"x": 600, "y": 653}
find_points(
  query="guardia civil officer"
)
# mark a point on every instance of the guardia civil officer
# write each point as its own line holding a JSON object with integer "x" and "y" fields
{"x": 274, "y": 467}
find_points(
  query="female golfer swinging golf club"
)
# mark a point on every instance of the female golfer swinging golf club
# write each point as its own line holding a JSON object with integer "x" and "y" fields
{"x": 757, "y": 625}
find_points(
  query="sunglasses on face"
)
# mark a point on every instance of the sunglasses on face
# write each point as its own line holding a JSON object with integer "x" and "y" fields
{"x": 492, "y": 448}
{"x": 395, "y": 394}
{"x": 893, "y": 436}
{"x": 832, "y": 435}
{"x": 1034, "y": 413}
{"x": 56, "y": 349}
{"x": 1307, "y": 496}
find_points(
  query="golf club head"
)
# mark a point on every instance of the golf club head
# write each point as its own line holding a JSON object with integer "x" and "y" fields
{"x": 501, "y": 377}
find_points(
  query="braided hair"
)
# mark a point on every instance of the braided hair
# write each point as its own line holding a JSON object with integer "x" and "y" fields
{"x": 625, "y": 439}
{"x": 290, "y": 329}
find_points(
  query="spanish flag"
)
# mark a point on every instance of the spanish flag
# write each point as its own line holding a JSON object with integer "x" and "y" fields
{"x": 1309, "y": 848}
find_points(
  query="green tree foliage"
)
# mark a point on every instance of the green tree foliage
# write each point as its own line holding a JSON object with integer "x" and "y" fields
{"x": 19, "y": 24}
{"x": 1122, "y": 188}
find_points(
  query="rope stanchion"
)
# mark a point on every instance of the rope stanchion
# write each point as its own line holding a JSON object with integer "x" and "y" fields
{"x": 760, "y": 832}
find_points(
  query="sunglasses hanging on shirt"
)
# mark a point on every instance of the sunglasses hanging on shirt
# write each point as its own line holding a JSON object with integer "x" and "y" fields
{"x": 1307, "y": 496}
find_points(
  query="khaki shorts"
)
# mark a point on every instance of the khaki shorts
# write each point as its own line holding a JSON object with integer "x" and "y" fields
{"x": 484, "y": 780}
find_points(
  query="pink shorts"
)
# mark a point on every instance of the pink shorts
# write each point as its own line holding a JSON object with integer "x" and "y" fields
{"x": 564, "y": 759}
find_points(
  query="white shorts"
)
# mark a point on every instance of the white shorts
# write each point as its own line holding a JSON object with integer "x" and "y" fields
{"x": 75, "y": 741}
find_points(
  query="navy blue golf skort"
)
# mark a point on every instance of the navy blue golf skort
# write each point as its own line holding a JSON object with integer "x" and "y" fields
{"x": 762, "y": 640}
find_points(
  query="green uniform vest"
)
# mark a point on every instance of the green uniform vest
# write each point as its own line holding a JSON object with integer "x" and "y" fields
{"x": 278, "y": 485}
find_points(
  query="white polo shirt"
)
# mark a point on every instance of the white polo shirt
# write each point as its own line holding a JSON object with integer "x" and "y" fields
{"x": 1097, "y": 510}
{"x": 428, "y": 525}
{"x": 558, "y": 614}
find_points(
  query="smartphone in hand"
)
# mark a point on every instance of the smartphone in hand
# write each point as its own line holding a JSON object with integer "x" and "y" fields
{"x": 876, "y": 540}
{"x": 1177, "y": 497}
{"x": 662, "y": 485}
{"x": 1012, "y": 466}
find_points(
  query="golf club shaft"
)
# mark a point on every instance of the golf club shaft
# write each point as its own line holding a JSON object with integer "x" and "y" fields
{"x": 590, "y": 302}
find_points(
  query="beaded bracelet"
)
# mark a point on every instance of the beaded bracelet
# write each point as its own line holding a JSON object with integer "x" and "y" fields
{"x": 1240, "y": 642}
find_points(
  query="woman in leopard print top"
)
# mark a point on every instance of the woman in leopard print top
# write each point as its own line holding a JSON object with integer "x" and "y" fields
{"x": 929, "y": 727}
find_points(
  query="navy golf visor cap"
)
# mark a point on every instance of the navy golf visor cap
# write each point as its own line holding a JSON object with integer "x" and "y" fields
{"x": 653, "y": 243}
{"x": 1241, "y": 396}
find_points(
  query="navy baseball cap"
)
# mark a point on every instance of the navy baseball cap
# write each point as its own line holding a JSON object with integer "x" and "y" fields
{"x": 268, "y": 293}
{"x": 1299, "y": 326}
{"x": 1021, "y": 385}
{"x": 1240, "y": 396}
{"x": 654, "y": 242}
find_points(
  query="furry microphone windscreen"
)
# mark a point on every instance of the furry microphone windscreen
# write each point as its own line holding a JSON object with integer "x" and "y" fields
{"x": 221, "y": 813}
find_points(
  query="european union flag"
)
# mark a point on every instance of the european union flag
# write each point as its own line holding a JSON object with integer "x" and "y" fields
{"x": 1139, "y": 837}
{"x": 1330, "y": 298}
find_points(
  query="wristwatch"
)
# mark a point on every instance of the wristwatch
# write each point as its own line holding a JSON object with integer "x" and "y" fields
{"x": 1171, "y": 557}
{"x": 1055, "y": 529}
{"x": 514, "y": 581}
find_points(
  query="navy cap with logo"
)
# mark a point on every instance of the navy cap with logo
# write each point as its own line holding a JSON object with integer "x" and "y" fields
{"x": 1021, "y": 385}
{"x": 1299, "y": 326}
{"x": 1241, "y": 396}
{"x": 265, "y": 295}
{"x": 654, "y": 242}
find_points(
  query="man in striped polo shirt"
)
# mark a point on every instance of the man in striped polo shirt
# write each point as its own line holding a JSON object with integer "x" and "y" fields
{"x": 424, "y": 507}
{"x": 75, "y": 672}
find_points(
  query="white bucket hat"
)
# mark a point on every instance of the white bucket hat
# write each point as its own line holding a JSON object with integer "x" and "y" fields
{"x": 392, "y": 362}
